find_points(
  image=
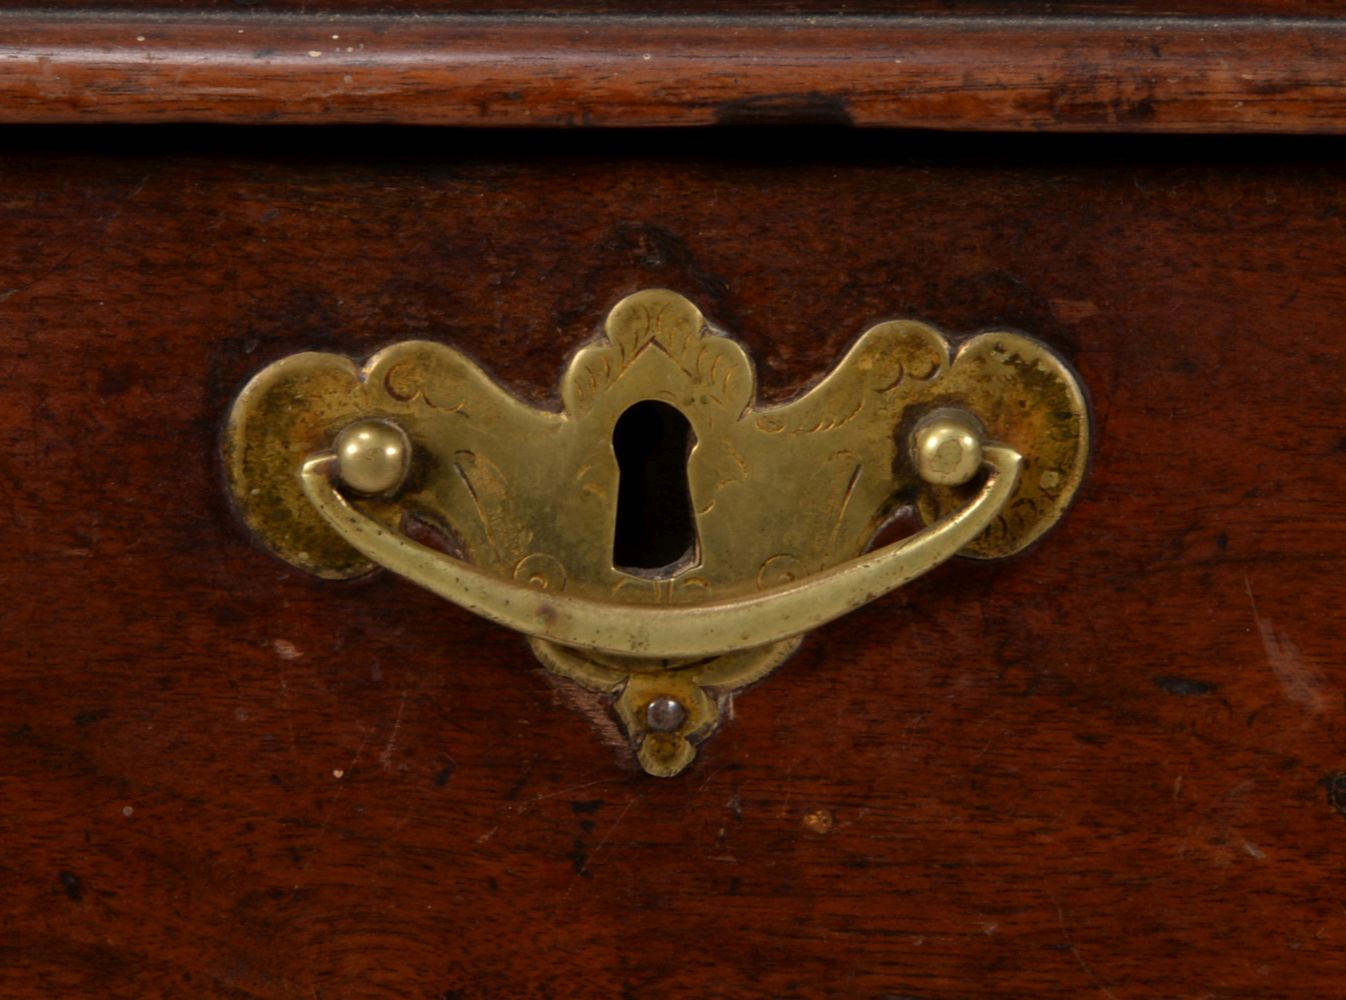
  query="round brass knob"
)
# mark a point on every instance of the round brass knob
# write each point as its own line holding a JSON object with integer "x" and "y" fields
{"x": 373, "y": 457}
{"x": 948, "y": 449}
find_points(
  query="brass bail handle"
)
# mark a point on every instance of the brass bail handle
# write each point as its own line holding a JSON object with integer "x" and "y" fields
{"x": 371, "y": 457}
{"x": 770, "y": 508}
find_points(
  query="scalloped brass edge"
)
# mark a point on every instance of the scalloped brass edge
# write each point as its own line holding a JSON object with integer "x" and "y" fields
{"x": 839, "y": 449}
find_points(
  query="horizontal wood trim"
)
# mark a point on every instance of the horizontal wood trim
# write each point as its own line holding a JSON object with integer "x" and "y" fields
{"x": 755, "y": 8}
{"x": 1015, "y": 74}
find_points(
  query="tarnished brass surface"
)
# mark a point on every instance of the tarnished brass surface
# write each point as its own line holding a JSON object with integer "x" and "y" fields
{"x": 785, "y": 499}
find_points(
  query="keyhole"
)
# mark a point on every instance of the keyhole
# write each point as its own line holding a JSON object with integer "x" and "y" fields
{"x": 655, "y": 528}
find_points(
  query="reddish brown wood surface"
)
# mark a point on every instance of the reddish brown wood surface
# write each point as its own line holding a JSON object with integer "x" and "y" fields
{"x": 1004, "y": 74}
{"x": 1096, "y": 769}
{"x": 1002, "y": 8}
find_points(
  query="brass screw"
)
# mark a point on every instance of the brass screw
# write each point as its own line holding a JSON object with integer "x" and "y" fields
{"x": 665, "y": 714}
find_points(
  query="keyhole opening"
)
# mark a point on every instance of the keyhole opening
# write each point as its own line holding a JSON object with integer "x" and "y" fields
{"x": 655, "y": 528}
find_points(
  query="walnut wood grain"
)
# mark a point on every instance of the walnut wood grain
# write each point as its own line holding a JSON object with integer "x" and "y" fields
{"x": 1004, "y": 74}
{"x": 1107, "y": 767}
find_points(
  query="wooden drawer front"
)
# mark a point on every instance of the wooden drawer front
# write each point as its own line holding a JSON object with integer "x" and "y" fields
{"x": 1096, "y": 768}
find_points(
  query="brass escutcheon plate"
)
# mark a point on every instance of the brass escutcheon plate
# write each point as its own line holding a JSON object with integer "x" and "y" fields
{"x": 784, "y": 499}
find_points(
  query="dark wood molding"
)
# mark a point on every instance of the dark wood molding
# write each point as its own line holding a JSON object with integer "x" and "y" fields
{"x": 1067, "y": 74}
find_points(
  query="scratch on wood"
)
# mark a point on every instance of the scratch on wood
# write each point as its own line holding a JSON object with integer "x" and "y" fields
{"x": 385, "y": 758}
{"x": 1065, "y": 933}
{"x": 603, "y": 843}
{"x": 336, "y": 799}
{"x": 569, "y": 789}
{"x": 285, "y": 707}
{"x": 1302, "y": 683}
